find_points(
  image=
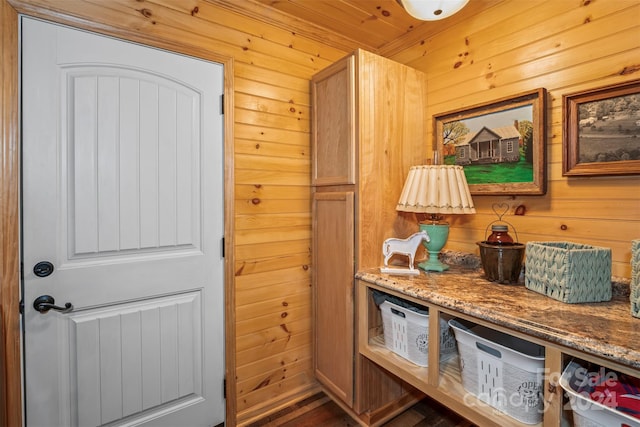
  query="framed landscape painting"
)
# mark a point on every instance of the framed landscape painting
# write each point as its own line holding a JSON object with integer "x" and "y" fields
{"x": 601, "y": 131}
{"x": 500, "y": 144}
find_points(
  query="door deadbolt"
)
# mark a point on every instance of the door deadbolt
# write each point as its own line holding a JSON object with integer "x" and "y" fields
{"x": 43, "y": 269}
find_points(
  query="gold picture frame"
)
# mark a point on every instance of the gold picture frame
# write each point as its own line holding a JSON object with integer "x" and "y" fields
{"x": 500, "y": 144}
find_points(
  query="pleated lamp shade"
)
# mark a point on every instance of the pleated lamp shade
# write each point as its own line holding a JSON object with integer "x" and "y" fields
{"x": 436, "y": 189}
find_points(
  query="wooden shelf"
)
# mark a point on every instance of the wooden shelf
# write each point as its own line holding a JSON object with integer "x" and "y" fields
{"x": 444, "y": 382}
{"x": 410, "y": 372}
{"x": 558, "y": 328}
{"x": 449, "y": 390}
{"x": 450, "y": 385}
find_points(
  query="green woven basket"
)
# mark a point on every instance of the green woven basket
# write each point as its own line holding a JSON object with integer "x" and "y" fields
{"x": 568, "y": 272}
{"x": 635, "y": 278}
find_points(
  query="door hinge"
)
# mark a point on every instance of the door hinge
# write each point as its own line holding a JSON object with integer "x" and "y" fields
{"x": 21, "y": 303}
{"x": 224, "y": 388}
{"x": 222, "y": 246}
{"x": 222, "y": 104}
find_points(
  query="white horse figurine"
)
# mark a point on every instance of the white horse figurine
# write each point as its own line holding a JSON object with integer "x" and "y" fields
{"x": 407, "y": 247}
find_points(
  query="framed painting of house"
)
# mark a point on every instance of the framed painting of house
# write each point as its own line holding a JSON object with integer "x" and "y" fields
{"x": 601, "y": 131}
{"x": 500, "y": 144}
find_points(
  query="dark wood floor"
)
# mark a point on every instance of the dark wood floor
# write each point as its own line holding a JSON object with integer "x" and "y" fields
{"x": 320, "y": 411}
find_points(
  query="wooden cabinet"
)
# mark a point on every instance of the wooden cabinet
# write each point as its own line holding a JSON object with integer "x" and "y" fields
{"x": 334, "y": 119}
{"x": 442, "y": 378}
{"x": 369, "y": 128}
{"x": 333, "y": 303}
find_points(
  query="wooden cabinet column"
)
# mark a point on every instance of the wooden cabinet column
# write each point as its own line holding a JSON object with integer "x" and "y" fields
{"x": 369, "y": 128}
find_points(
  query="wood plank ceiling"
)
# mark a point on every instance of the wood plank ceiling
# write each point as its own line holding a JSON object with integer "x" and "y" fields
{"x": 380, "y": 26}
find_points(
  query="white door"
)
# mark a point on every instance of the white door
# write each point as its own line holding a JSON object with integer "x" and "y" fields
{"x": 123, "y": 196}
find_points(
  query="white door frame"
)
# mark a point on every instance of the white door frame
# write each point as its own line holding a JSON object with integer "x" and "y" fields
{"x": 10, "y": 348}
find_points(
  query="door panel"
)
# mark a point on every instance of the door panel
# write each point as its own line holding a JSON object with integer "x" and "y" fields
{"x": 137, "y": 356}
{"x": 334, "y": 346}
{"x": 123, "y": 194}
{"x": 108, "y": 192}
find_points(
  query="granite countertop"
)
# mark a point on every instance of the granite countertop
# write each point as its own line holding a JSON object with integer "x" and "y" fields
{"x": 605, "y": 329}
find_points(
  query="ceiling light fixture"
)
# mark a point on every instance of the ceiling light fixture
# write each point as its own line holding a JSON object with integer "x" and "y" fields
{"x": 432, "y": 10}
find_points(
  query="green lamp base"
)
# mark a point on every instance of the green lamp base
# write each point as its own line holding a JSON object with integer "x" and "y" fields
{"x": 438, "y": 234}
{"x": 433, "y": 263}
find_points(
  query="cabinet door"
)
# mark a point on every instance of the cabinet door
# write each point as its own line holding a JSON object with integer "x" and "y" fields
{"x": 333, "y": 135}
{"x": 333, "y": 271}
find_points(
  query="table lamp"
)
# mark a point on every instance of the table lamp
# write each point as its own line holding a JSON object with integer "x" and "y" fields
{"x": 436, "y": 190}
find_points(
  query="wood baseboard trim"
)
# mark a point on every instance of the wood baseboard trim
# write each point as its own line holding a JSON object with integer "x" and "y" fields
{"x": 344, "y": 407}
{"x": 305, "y": 406}
{"x": 383, "y": 414}
{"x": 286, "y": 400}
{"x": 392, "y": 409}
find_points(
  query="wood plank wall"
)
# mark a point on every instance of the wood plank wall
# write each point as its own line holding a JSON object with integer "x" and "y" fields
{"x": 564, "y": 46}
